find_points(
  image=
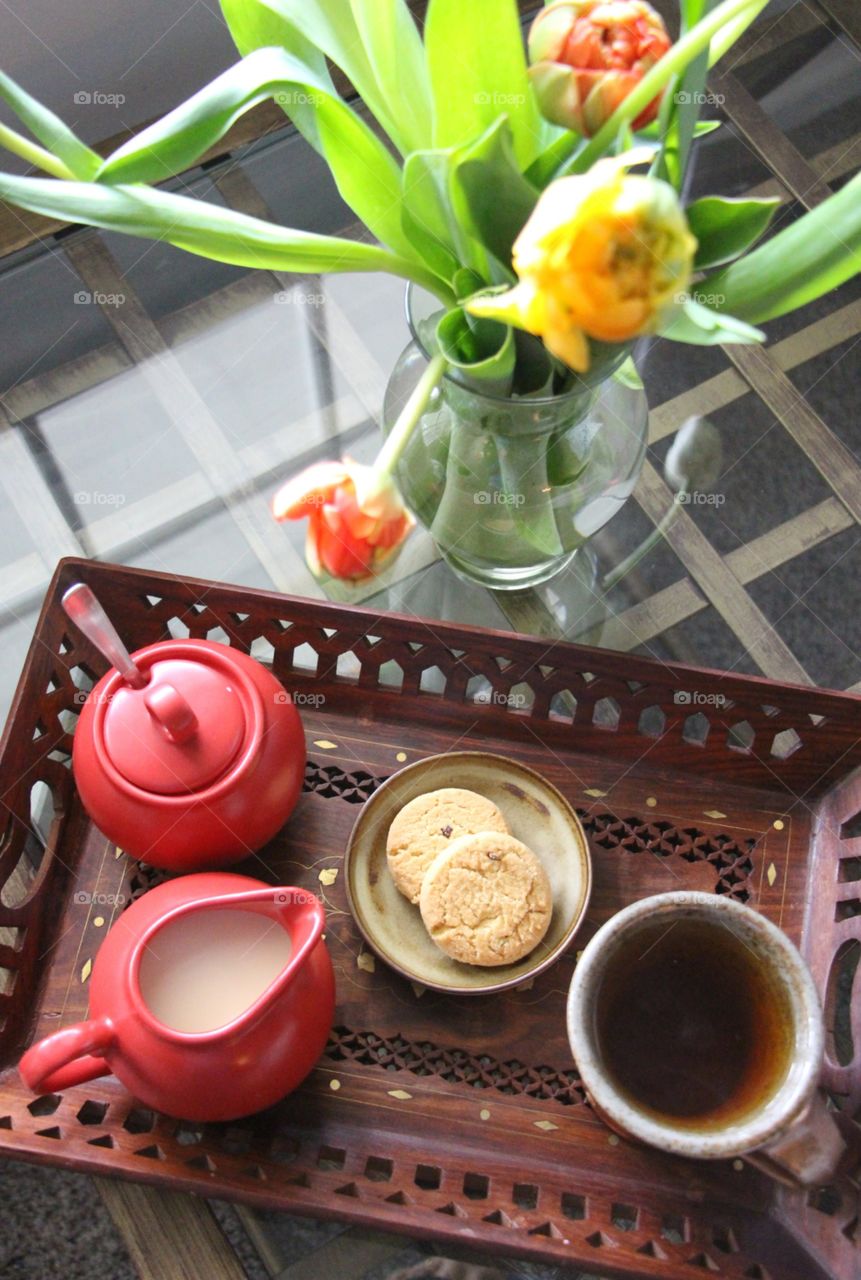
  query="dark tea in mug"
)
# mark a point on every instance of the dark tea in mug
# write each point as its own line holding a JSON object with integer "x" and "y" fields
{"x": 691, "y": 1025}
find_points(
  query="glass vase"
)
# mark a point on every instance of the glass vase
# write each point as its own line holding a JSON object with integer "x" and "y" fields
{"x": 512, "y": 487}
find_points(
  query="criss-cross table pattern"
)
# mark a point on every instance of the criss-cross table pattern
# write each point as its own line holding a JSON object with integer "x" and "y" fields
{"x": 135, "y": 362}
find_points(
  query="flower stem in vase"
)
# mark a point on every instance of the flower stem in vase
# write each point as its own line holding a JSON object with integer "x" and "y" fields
{"x": 399, "y": 436}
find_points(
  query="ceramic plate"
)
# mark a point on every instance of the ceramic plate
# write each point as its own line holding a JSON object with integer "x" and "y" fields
{"x": 536, "y": 813}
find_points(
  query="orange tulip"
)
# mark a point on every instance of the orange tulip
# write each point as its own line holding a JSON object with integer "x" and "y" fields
{"x": 587, "y": 56}
{"x": 356, "y": 519}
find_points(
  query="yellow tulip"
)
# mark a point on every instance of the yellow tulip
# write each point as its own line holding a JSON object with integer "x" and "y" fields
{"x": 603, "y": 256}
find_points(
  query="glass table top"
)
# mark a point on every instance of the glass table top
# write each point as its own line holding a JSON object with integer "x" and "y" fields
{"x": 151, "y": 402}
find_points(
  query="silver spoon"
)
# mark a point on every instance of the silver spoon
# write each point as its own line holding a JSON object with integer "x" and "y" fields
{"x": 85, "y": 611}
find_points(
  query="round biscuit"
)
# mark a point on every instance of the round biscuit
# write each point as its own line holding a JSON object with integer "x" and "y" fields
{"x": 425, "y": 827}
{"x": 486, "y": 899}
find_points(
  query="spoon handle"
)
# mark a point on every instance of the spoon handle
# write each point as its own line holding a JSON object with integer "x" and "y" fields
{"x": 85, "y": 611}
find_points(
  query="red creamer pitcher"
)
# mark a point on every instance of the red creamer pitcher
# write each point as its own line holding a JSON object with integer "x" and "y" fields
{"x": 211, "y": 997}
{"x": 197, "y": 767}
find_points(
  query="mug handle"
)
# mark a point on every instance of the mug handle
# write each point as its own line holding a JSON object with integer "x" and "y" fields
{"x": 807, "y": 1153}
{"x": 68, "y": 1057}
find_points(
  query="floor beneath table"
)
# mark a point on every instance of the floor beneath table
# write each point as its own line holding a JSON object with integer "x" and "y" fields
{"x": 53, "y": 1226}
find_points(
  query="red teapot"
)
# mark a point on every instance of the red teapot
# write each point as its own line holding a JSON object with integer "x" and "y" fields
{"x": 211, "y": 997}
{"x": 187, "y": 754}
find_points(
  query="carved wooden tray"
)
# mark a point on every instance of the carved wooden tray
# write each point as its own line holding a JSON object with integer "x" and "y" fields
{"x": 461, "y": 1121}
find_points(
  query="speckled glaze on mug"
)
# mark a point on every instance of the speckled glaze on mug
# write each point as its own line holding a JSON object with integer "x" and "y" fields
{"x": 791, "y": 1136}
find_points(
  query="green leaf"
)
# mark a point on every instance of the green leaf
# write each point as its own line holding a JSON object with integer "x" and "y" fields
{"x": 701, "y": 129}
{"x": 425, "y": 198}
{"x": 427, "y": 212}
{"x": 34, "y": 154}
{"x": 459, "y": 521}
{"x": 177, "y": 140}
{"x": 724, "y": 228}
{"x": 465, "y": 282}
{"x": 678, "y": 119}
{"x": 395, "y": 50}
{"x": 624, "y": 140}
{"x": 206, "y": 229}
{"x": 684, "y": 94}
{"x": 482, "y": 350}
{"x": 364, "y": 170}
{"x": 327, "y": 25}
{"x": 564, "y": 463}
{"x": 483, "y": 353}
{"x": 629, "y": 375}
{"x": 691, "y": 11}
{"x": 695, "y": 323}
{"x": 477, "y": 68}
{"x": 429, "y": 246}
{"x": 815, "y": 254}
{"x": 495, "y": 196}
{"x": 535, "y": 370}
{"x": 545, "y": 167}
{"x": 664, "y": 165}
{"x": 78, "y": 158}
{"x": 255, "y": 25}
{"x": 688, "y": 94}
{"x": 524, "y": 470}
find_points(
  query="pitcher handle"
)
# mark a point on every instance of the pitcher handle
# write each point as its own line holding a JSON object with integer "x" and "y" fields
{"x": 807, "y": 1153}
{"x": 68, "y": 1057}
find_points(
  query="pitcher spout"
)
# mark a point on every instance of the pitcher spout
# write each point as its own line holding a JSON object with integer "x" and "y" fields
{"x": 300, "y": 913}
{"x": 215, "y": 965}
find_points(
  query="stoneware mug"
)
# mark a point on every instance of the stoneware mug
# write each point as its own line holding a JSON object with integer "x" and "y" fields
{"x": 717, "y": 1052}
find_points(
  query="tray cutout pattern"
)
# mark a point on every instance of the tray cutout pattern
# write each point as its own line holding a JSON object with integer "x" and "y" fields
{"x": 552, "y": 1213}
{"x": 455, "y": 1066}
{"x": 545, "y": 1214}
{"x": 329, "y": 781}
{"x": 765, "y": 734}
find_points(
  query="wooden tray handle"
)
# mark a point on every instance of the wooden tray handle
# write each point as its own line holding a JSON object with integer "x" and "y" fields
{"x": 68, "y": 1057}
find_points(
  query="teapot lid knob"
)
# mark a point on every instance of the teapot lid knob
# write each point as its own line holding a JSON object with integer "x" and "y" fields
{"x": 180, "y": 732}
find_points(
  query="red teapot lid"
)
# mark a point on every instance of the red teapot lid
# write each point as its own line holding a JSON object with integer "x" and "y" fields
{"x": 180, "y": 732}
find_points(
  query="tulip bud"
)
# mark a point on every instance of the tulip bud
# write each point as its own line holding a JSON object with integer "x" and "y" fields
{"x": 695, "y": 458}
{"x": 587, "y": 56}
{"x": 356, "y": 519}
